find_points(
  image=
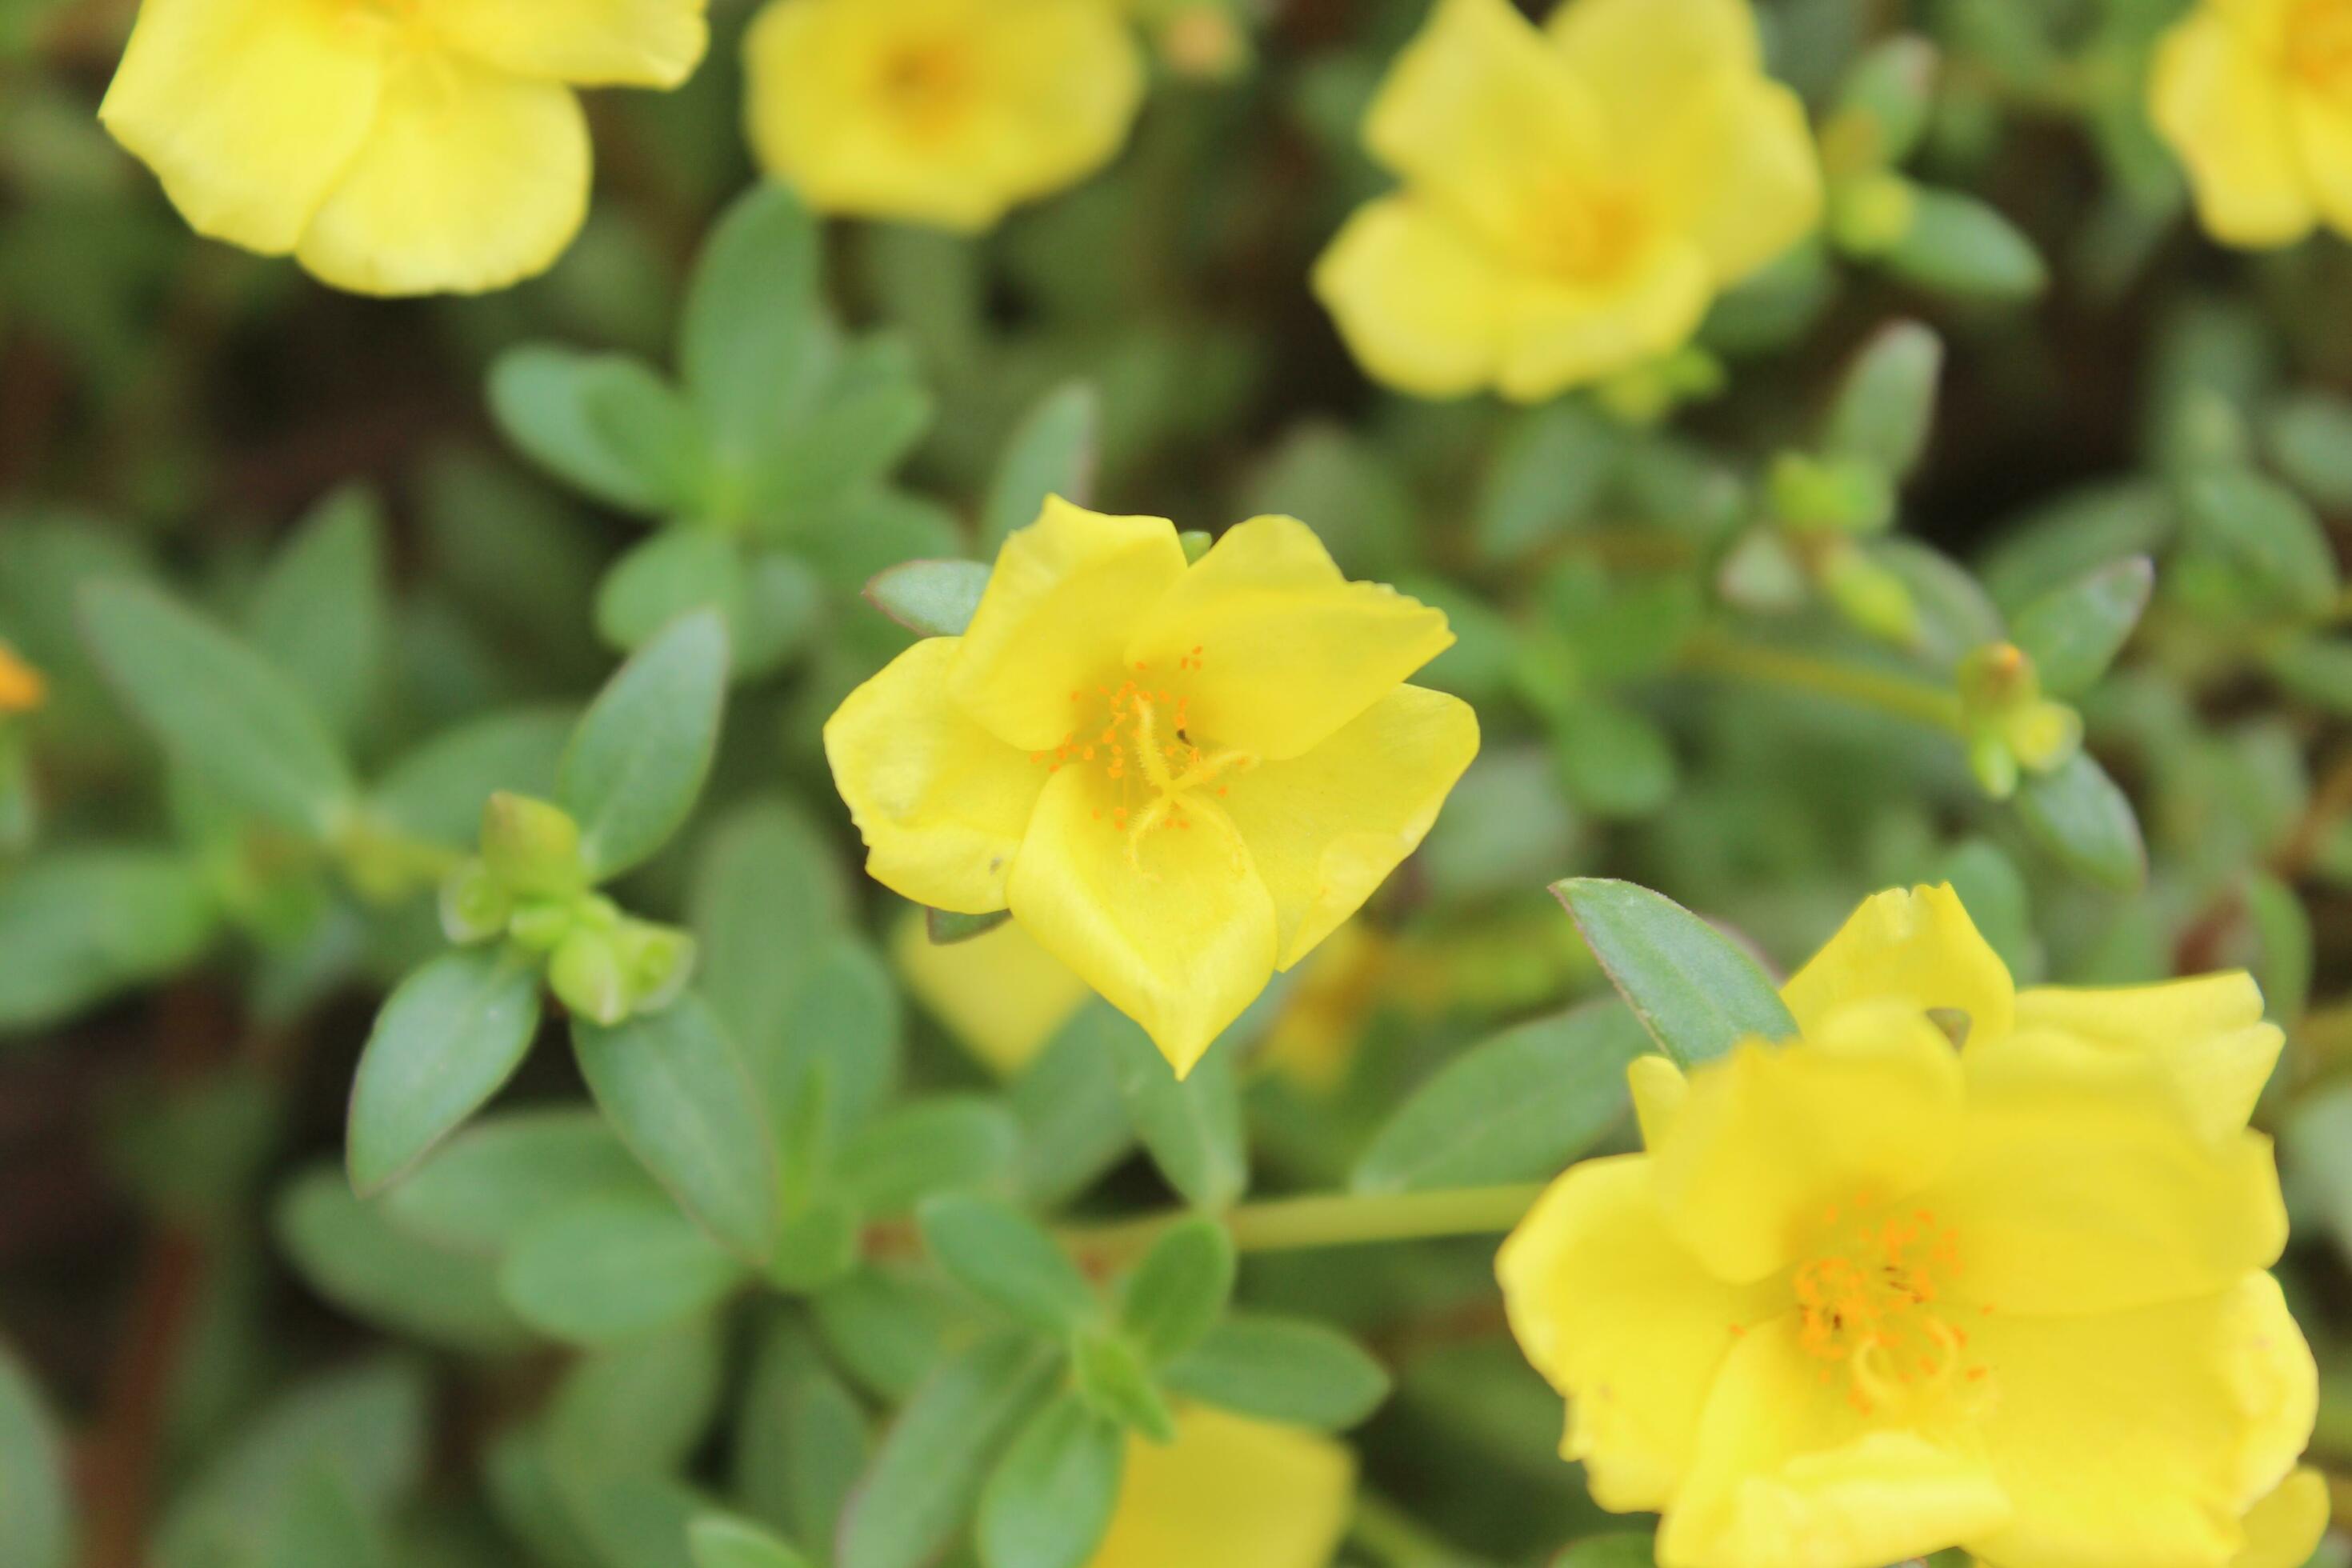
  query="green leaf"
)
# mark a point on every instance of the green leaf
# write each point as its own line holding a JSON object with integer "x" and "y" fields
{"x": 1193, "y": 1127}
{"x": 888, "y": 1326}
{"x": 844, "y": 1025}
{"x": 1885, "y": 100}
{"x": 867, "y": 533}
{"x": 219, "y": 707}
{"x": 2284, "y": 941}
{"x": 1547, "y": 476}
{"x": 1624, "y": 1549}
{"x": 1175, "y": 1296}
{"x": 676, "y": 571}
{"x": 1614, "y": 762}
{"x": 717, "y": 1541}
{"x": 630, "y": 1520}
{"x": 754, "y": 338}
{"x": 765, "y": 896}
{"x": 1886, "y": 407}
{"x": 930, "y": 1464}
{"x": 436, "y": 792}
{"x": 927, "y": 1147}
{"x": 1049, "y": 1504}
{"x": 604, "y": 423}
{"x": 2073, "y": 633}
{"x": 869, "y": 416}
{"x": 943, "y": 927}
{"x": 1000, "y": 1255}
{"x": 642, "y": 1407}
{"x": 1282, "y": 1369}
{"x": 505, "y": 1174}
{"x": 609, "y": 1269}
{"x": 1110, "y": 1374}
{"x": 674, "y": 1089}
{"x": 80, "y": 924}
{"x": 445, "y": 1040}
{"x": 350, "y": 1253}
{"x": 1695, "y": 991}
{"x": 930, "y": 598}
{"x": 319, "y": 1521}
{"x": 1074, "y": 1120}
{"x": 801, "y": 1438}
{"x": 318, "y": 611}
{"x": 2309, "y": 437}
{"x": 1053, "y": 453}
{"x": 2316, "y": 669}
{"x": 1958, "y": 246}
{"x": 39, "y": 1509}
{"x": 2087, "y": 824}
{"x": 638, "y": 759}
{"x": 2267, "y": 542}
{"x": 1516, "y": 1108}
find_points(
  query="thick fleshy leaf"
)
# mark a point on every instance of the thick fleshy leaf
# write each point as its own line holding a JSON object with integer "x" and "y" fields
{"x": 754, "y": 340}
{"x": 445, "y": 1040}
{"x": 79, "y": 924}
{"x": 1049, "y": 1502}
{"x": 930, "y": 598}
{"x": 1289, "y": 1370}
{"x": 1006, "y": 1259}
{"x": 607, "y": 1269}
{"x": 803, "y": 1437}
{"x": 1175, "y": 1296}
{"x": 2073, "y": 633}
{"x": 350, "y": 1253}
{"x": 1052, "y": 453}
{"x": 1694, "y": 991}
{"x": 717, "y": 1541}
{"x": 2081, "y": 817}
{"x": 318, "y": 613}
{"x": 506, "y": 1174}
{"x": 638, "y": 759}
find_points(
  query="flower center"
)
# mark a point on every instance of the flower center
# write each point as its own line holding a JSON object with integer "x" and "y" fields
{"x": 1873, "y": 1299}
{"x": 1581, "y": 233}
{"x": 1138, "y": 736}
{"x": 2319, "y": 46}
{"x": 927, "y": 84}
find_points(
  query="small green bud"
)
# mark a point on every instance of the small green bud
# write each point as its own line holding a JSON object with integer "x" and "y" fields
{"x": 531, "y": 847}
{"x": 2045, "y": 736}
{"x": 539, "y": 923}
{"x": 1870, "y": 215}
{"x": 475, "y": 905}
{"x": 586, "y": 974}
{"x": 1649, "y": 392}
{"x": 656, "y": 961}
{"x": 1869, "y": 596}
{"x": 1196, "y": 542}
{"x": 1114, "y": 1380}
{"x": 1840, "y": 495}
{"x": 1882, "y": 108}
{"x": 1994, "y": 764}
{"x": 2009, "y": 719}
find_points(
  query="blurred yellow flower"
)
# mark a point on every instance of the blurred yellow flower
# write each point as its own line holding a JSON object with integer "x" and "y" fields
{"x": 1180, "y": 779}
{"x": 1229, "y": 1493}
{"x": 2285, "y": 1528}
{"x": 1573, "y": 197}
{"x": 946, "y": 112}
{"x": 1000, "y": 995}
{"x": 22, "y": 688}
{"x": 2255, "y": 96}
{"x": 390, "y": 146}
{"x": 1867, "y": 1295}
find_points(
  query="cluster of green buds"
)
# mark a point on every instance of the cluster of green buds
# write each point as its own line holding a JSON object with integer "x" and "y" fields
{"x": 531, "y": 885}
{"x": 1648, "y": 393}
{"x": 2009, "y": 724}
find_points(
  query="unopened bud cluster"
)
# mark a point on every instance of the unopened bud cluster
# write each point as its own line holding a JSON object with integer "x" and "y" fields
{"x": 2011, "y": 725}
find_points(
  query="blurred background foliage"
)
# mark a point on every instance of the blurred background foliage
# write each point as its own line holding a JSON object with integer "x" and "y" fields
{"x": 1815, "y": 608}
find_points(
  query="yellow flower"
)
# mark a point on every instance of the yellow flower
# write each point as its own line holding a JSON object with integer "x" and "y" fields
{"x": 1573, "y": 198}
{"x": 2285, "y": 1528}
{"x": 22, "y": 688}
{"x": 1229, "y": 1493}
{"x": 390, "y": 146}
{"x": 945, "y": 112}
{"x": 1000, "y": 995}
{"x": 1868, "y": 1295}
{"x": 2256, "y": 98}
{"x": 1179, "y": 779}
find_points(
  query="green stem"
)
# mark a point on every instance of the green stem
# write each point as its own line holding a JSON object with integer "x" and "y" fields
{"x": 1898, "y": 695}
{"x": 1333, "y": 1219}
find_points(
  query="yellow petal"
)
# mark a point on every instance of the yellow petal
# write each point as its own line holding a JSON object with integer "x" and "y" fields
{"x": 634, "y": 43}
{"x": 2223, "y": 106}
{"x": 2120, "y": 1437}
{"x": 1659, "y": 1089}
{"x": 1623, "y": 1323}
{"x": 2276, "y": 1383}
{"x": 1738, "y": 174}
{"x": 1560, "y": 334}
{"x": 2322, "y": 136}
{"x": 1288, "y": 651}
{"x": 1768, "y": 1136}
{"x": 1326, "y": 828}
{"x": 2284, "y": 1529}
{"x": 1788, "y": 1475}
{"x": 2083, "y": 1185}
{"x": 1229, "y": 1493}
{"x": 1000, "y": 995}
{"x": 246, "y": 110}
{"x": 1172, "y": 924}
{"x": 1643, "y": 58}
{"x": 1477, "y": 109}
{"x": 470, "y": 180}
{"x": 1068, "y": 592}
{"x": 1417, "y": 296}
{"x": 941, "y": 803}
{"x": 2207, "y": 1031}
{"x": 1919, "y": 947}
{"x": 939, "y": 112}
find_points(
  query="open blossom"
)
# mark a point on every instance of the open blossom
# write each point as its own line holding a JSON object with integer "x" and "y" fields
{"x": 2255, "y": 96}
{"x": 947, "y": 112}
{"x": 1573, "y": 197}
{"x": 1868, "y": 1295}
{"x": 1229, "y": 1493}
{"x": 1180, "y": 778}
{"x": 390, "y": 146}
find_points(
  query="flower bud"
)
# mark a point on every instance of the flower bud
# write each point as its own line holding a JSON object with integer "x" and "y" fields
{"x": 656, "y": 961}
{"x": 586, "y": 975}
{"x": 475, "y": 905}
{"x": 531, "y": 847}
